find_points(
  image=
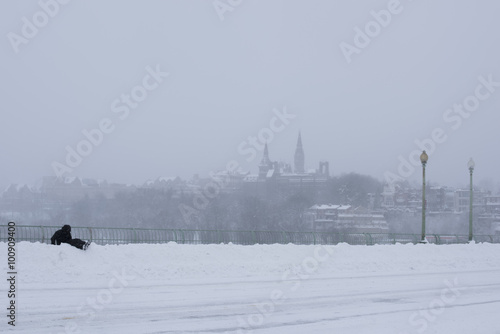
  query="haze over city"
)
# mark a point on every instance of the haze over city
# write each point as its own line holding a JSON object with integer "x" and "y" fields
{"x": 237, "y": 166}
{"x": 180, "y": 88}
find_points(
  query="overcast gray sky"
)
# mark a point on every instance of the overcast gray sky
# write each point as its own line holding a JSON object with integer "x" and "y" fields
{"x": 361, "y": 110}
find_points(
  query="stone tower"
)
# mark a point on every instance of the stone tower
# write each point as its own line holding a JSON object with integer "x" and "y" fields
{"x": 299, "y": 157}
{"x": 265, "y": 164}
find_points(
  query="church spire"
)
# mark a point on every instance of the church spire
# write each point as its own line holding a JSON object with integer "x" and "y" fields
{"x": 265, "y": 157}
{"x": 265, "y": 164}
{"x": 299, "y": 157}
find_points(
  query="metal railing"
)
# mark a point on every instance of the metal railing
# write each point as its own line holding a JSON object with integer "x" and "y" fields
{"x": 103, "y": 236}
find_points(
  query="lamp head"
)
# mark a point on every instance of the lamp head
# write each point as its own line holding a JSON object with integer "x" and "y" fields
{"x": 423, "y": 158}
{"x": 471, "y": 164}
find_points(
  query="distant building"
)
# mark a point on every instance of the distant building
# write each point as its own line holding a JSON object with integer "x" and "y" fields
{"x": 401, "y": 197}
{"x": 492, "y": 204}
{"x": 462, "y": 200}
{"x": 438, "y": 199}
{"x": 488, "y": 216}
{"x": 495, "y": 228}
{"x": 299, "y": 158}
{"x": 229, "y": 180}
{"x": 66, "y": 190}
{"x": 388, "y": 197}
{"x": 52, "y": 195}
{"x": 167, "y": 183}
{"x": 324, "y": 169}
{"x": 18, "y": 200}
{"x": 266, "y": 166}
{"x": 344, "y": 218}
{"x": 280, "y": 173}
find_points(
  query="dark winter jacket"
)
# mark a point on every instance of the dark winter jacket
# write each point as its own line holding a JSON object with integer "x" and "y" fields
{"x": 62, "y": 236}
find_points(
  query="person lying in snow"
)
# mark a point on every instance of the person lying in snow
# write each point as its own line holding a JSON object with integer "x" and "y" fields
{"x": 64, "y": 236}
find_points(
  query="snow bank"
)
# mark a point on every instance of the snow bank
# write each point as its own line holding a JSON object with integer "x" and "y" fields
{"x": 49, "y": 265}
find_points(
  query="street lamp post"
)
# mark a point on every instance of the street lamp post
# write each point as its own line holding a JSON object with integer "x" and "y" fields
{"x": 423, "y": 158}
{"x": 471, "y": 166}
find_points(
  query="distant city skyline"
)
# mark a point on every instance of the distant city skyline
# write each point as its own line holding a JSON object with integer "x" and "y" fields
{"x": 297, "y": 163}
{"x": 136, "y": 90}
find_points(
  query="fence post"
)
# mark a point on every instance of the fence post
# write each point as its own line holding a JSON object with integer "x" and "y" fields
{"x": 43, "y": 234}
{"x": 183, "y": 236}
{"x": 135, "y": 235}
{"x": 90, "y": 230}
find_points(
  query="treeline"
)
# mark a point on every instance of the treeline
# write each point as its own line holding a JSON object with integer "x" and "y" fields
{"x": 241, "y": 209}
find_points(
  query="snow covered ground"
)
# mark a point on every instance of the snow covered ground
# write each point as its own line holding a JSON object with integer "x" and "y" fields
{"x": 260, "y": 289}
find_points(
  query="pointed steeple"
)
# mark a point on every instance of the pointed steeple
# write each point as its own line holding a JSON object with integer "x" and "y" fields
{"x": 299, "y": 157}
{"x": 265, "y": 164}
{"x": 265, "y": 157}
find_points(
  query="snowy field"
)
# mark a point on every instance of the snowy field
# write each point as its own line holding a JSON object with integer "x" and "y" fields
{"x": 260, "y": 289}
